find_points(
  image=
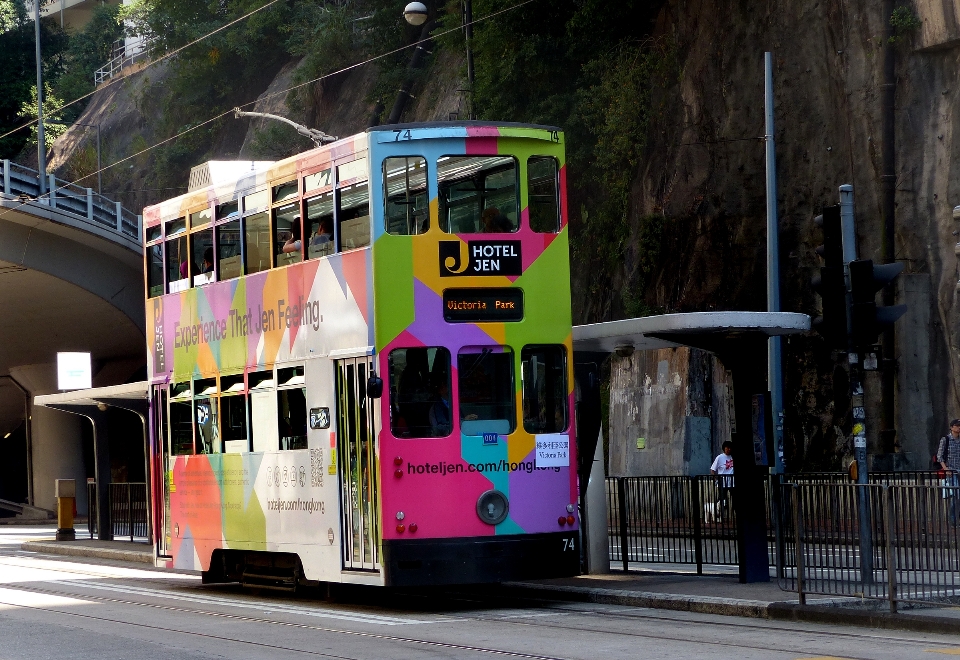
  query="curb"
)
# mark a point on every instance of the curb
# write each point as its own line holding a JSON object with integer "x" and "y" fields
{"x": 67, "y": 548}
{"x": 776, "y": 610}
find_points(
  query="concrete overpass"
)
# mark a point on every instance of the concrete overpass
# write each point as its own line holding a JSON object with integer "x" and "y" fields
{"x": 71, "y": 279}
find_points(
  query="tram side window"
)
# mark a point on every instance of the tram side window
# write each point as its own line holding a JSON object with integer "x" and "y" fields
{"x": 320, "y": 222}
{"x": 201, "y": 247}
{"x": 353, "y": 215}
{"x": 155, "y": 270}
{"x": 544, "y": 373}
{"x": 486, "y": 390}
{"x": 228, "y": 250}
{"x": 292, "y": 408}
{"x": 478, "y": 194}
{"x": 206, "y": 411}
{"x": 178, "y": 263}
{"x": 405, "y": 195}
{"x": 233, "y": 415}
{"x": 181, "y": 420}
{"x": 257, "y": 238}
{"x": 543, "y": 185}
{"x": 420, "y": 403}
{"x": 263, "y": 410}
{"x": 287, "y": 238}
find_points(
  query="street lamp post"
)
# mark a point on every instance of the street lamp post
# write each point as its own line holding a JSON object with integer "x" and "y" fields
{"x": 41, "y": 144}
{"x": 97, "y": 126}
{"x": 415, "y": 14}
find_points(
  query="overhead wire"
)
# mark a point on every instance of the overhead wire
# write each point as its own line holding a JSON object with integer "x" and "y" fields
{"x": 283, "y": 91}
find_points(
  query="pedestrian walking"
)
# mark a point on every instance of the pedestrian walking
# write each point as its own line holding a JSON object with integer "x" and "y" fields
{"x": 722, "y": 467}
{"x": 948, "y": 456}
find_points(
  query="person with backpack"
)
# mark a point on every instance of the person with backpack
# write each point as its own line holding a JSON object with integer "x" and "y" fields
{"x": 948, "y": 456}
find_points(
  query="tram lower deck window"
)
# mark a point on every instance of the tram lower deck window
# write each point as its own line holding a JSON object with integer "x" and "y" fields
{"x": 486, "y": 390}
{"x": 544, "y": 375}
{"x": 420, "y": 403}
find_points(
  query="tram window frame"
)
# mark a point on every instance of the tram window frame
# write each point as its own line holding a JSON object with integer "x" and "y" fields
{"x": 359, "y": 181}
{"x": 227, "y": 211}
{"x": 175, "y": 233}
{"x": 283, "y": 193}
{"x": 555, "y": 375}
{"x": 181, "y": 395}
{"x": 227, "y": 269}
{"x": 202, "y": 218}
{"x": 407, "y": 220}
{"x": 317, "y": 249}
{"x": 319, "y": 181}
{"x": 233, "y": 389}
{"x": 477, "y": 197}
{"x": 295, "y": 230}
{"x": 257, "y": 223}
{"x": 411, "y": 417}
{"x": 198, "y": 261}
{"x": 532, "y": 198}
{"x": 155, "y": 269}
{"x": 470, "y": 397}
{"x": 206, "y": 390}
{"x": 291, "y": 389}
{"x": 261, "y": 386}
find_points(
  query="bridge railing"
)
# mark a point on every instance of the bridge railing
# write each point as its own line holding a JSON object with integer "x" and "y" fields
{"x": 84, "y": 203}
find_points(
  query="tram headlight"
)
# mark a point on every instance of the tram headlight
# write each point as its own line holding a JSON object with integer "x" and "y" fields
{"x": 492, "y": 507}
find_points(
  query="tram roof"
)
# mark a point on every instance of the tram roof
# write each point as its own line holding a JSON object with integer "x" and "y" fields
{"x": 461, "y": 124}
{"x": 673, "y": 330}
{"x": 96, "y": 395}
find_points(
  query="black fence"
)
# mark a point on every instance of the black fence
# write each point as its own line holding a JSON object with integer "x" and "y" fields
{"x": 128, "y": 510}
{"x": 675, "y": 520}
{"x": 895, "y": 538}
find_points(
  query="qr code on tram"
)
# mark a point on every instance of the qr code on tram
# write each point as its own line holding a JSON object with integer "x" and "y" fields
{"x": 316, "y": 467}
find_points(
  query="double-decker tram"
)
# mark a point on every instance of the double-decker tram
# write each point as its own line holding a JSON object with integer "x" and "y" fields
{"x": 361, "y": 363}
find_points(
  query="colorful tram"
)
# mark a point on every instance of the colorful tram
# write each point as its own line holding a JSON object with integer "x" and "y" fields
{"x": 361, "y": 364}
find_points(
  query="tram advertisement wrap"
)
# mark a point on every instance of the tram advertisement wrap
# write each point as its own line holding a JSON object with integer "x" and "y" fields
{"x": 249, "y": 502}
{"x": 307, "y": 309}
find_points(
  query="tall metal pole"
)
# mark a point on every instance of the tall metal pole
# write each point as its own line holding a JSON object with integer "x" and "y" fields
{"x": 888, "y": 177}
{"x": 468, "y": 36}
{"x": 774, "y": 357}
{"x": 41, "y": 143}
{"x": 859, "y": 429}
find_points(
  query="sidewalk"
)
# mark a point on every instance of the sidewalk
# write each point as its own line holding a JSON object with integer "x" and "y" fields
{"x": 666, "y": 587}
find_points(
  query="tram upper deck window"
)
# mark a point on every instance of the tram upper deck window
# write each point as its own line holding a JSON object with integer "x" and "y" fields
{"x": 486, "y": 390}
{"x": 201, "y": 247}
{"x": 181, "y": 424}
{"x": 285, "y": 191}
{"x": 320, "y": 226}
{"x": 233, "y": 413}
{"x": 228, "y": 209}
{"x": 318, "y": 180}
{"x": 478, "y": 194}
{"x": 292, "y": 408}
{"x": 405, "y": 195}
{"x": 353, "y": 207}
{"x": 543, "y": 371}
{"x": 257, "y": 242}
{"x": 155, "y": 270}
{"x": 229, "y": 257}
{"x": 200, "y": 218}
{"x": 178, "y": 263}
{"x": 420, "y": 403}
{"x": 257, "y": 201}
{"x": 287, "y": 238}
{"x": 543, "y": 185}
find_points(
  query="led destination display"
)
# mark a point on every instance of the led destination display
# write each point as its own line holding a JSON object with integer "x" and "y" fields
{"x": 478, "y": 305}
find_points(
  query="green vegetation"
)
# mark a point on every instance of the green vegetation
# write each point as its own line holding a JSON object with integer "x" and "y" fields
{"x": 53, "y": 127}
{"x": 904, "y": 23}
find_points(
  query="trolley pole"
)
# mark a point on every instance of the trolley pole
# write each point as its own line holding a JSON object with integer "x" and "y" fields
{"x": 856, "y": 389}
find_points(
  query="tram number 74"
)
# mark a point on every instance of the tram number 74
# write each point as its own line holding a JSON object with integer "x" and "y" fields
{"x": 569, "y": 544}
{"x": 402, "y": 135}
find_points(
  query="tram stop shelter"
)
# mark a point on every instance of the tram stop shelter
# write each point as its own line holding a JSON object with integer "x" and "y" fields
{"x": 93, "y": 404}
{"x": 739, "y": 341}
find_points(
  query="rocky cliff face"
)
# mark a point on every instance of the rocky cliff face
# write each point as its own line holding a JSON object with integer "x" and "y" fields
{"x": 704, "y": 170}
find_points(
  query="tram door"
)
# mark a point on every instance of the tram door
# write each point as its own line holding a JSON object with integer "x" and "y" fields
{"x": 160, "y": 467}
{"x": 358, "y": 423}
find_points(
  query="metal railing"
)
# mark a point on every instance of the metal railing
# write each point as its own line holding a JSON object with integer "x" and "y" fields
{"x": 84, "y": 203}
{"x": 123, "y": 56}
{"x": 128, "y": 510}
{"x": 675, "y": 520}
{"x": 897, "y": 543}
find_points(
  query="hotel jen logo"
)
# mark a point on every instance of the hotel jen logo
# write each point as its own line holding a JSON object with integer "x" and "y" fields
{"x": 480, "y": 258}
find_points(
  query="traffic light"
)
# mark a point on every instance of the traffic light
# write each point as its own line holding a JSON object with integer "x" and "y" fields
{"x": 867, "y": 319}
{"x": 830, "y": 284}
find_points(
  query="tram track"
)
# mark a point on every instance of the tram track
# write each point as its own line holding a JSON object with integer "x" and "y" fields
{"x": 535, "y": 620}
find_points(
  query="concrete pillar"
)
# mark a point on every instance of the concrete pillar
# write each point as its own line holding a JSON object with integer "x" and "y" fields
{"x": 57, "y": 439}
